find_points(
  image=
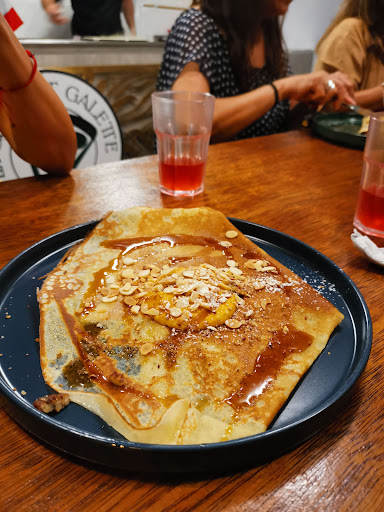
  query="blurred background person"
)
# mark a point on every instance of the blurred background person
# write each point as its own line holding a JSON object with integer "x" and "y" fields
{"x": 93, "y": 17}
{"x": 32, "y": 117}
{"x": 235, "y": 51}
{"x": 353, "y": 44}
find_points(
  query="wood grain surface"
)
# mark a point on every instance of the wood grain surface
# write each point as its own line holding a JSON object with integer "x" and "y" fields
{"x": 291, "y": 182}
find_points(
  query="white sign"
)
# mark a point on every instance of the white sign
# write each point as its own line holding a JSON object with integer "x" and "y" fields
{"x": 99, "y": 138}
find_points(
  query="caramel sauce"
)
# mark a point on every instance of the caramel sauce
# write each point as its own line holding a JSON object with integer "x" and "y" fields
{"x": 130, "y": 244}
{"x": 268, "y": 364}
{"x": 98, "y": 281}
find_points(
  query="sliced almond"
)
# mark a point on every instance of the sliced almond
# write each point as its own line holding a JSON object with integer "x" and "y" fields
{"x": 236, "y": 271}
{"x": 109, "y": 299}
{"x": 130, "y": 301}
{"x": 175, "y": 312}
{"x": 130, "y": 291}
{"x": 153, "y": 312}
{"x": 135, "y": 309}
{"x": 146, "y": 349}
{"x": 128, "y": 261}
{"x": 231, "y": 234}
{"x": 188, "y": 273}
{"x": 225, "y": 244}
{"x": 128, "y": 273}
{"x": 233, "y": 323}
{"x": 232, "y": 263}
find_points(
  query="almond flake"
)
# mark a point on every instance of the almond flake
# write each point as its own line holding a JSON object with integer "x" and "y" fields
{"x": 109, "y": 299}
{"x": 110, "y": 279}
{"x": 235, "y": 271}
{"x": 130, "y": 301}
{"x": 232, "y": 323}
{"x": 146, "y": 349}
{"x": 128, "y": 261}
{"x": 176, "y": 312}
{"x": 128, "y": 273}
{"x": 188, "y": 273}
{"x": 231, "y": 234}
{"x": 232, "y": 263}
{"x": 144, "y": 273}
{"x": 152, "y": 312}
{"x": 135, "y": 309}
{"x": 225, "y": 244}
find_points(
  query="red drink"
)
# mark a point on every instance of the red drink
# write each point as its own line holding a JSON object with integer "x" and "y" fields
{"x": 182, "y": 162}
{"x": 369, "y": 216}
{"x": 184, "y": 173}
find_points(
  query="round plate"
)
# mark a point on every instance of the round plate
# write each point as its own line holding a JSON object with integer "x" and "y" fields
{"x": 341, "y": 128}
{"x": 314, "y": 403}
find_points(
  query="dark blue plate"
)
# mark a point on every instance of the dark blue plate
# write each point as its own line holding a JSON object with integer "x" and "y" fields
{"x": 315, "y": 402}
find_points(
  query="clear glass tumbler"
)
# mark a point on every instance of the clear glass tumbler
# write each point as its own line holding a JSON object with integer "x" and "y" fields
{"x": 369, "y": 216}
{"x": 183, "y": 123}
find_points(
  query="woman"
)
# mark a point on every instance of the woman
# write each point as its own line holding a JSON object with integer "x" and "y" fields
{"x": 32, "y": 117}
{"x": 237, "y": 55}
{"x": 354, "y": 44}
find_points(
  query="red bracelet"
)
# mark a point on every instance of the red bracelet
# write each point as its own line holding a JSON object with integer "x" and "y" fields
{"x": 33, "y": 73}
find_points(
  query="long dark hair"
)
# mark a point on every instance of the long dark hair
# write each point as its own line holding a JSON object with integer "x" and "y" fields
{"x": 371, "y": 12}
{"x": 241, "y": 21}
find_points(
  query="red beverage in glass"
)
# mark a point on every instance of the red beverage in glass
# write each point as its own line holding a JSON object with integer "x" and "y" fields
{"x": 369, "y": 217}
{"x": 182, "y": 161}
{"x": 181, "y": 173}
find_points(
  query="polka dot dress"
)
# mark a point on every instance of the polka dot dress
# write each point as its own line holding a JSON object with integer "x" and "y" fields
{"x": 196, "y": 38}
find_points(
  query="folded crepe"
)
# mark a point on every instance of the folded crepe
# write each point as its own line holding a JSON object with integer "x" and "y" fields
{"x": 176, "y": 329}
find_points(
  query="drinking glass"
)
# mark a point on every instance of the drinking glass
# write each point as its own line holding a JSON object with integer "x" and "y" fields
{"x": 369, "y": 216}
{"x": 183, "y": 123}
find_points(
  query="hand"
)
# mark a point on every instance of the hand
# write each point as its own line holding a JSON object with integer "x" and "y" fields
{"x": 55, "y": 14}
{"x": 319, "y": 88}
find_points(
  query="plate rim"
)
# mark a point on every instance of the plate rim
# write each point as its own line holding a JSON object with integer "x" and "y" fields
{"x": 349, "y": 139}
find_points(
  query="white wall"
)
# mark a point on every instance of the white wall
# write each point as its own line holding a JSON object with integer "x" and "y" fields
{"x": 304, "y": 24}
{"x": 306, "y": 21}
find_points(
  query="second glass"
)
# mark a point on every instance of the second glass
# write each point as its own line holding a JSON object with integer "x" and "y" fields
{"x": 369, "y": 216}
{"x": 183, "y": 123}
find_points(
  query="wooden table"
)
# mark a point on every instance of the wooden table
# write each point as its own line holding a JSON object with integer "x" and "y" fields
{"x": 291, "y": 182}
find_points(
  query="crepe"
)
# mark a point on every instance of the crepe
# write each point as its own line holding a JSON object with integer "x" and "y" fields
{"x": 174, "y": 328}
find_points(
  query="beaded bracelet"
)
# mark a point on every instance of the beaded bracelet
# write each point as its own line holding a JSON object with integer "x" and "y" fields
{"x": 32, "y": 76}
{"x": 276, "y": 93}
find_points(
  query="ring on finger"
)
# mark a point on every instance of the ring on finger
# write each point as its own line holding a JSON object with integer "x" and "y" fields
{"x": 330, "y": 85}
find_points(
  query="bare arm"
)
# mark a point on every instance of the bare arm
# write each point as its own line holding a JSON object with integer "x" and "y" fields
{"x": 53, "y": 9}
{"x": 371, "y": 98}
{"x": 129, "y": 14}
{"x": 235, "y": 113}
{"x": 33, "y": 119}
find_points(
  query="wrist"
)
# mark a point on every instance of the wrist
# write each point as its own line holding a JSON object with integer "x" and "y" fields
{"x": 282, "y": 88}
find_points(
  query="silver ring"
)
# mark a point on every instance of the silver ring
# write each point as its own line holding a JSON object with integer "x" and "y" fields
{"x": 330, "y": 85}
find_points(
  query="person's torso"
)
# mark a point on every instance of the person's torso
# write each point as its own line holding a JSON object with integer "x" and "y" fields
{"x": 217, "y": 68}
{"x": 96, "y": 17}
